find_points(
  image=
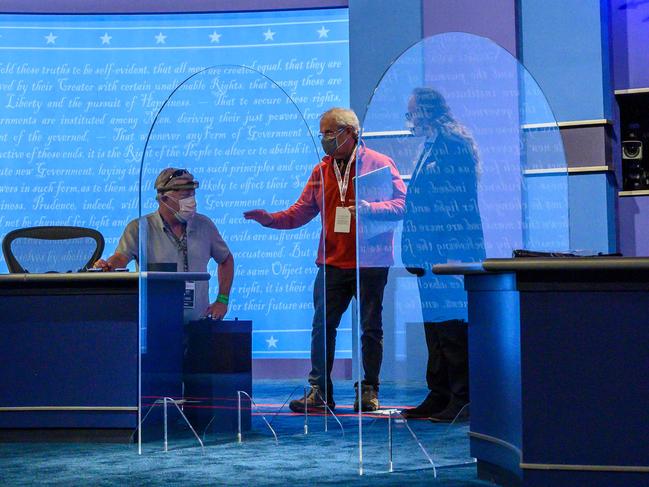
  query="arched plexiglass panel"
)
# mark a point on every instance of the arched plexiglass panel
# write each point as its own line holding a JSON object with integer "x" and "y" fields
{"x": 463, "y": 123}
{"x": 232, "y": 141}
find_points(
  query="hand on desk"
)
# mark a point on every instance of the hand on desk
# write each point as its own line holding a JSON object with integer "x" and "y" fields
{"x": 216, "y": 311}
{"x": 116, "y": 261}
{"x": 104, "y": 265}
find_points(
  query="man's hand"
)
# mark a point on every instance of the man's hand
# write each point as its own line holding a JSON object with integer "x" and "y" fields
{"x": 115, "y": 261}
{"x": 363, "y": 208}
{"x": 260, "y": 216}
{"x": 104, "y": 265}
{"x": 216, "y": 310}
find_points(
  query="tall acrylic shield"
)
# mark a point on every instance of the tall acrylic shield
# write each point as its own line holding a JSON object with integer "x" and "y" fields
{"x": 461, "y": 160}
{"x": 233, "y": 139}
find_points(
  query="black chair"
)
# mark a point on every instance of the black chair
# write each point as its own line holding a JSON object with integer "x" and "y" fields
{"x": 51, "y": 249}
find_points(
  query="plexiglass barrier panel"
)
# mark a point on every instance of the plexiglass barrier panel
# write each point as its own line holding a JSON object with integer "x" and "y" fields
{"x": 470, "y": 132}
{"x": 228, "y": 154}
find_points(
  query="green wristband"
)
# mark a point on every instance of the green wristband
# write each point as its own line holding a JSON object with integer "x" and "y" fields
{"x": 222, "y": 298}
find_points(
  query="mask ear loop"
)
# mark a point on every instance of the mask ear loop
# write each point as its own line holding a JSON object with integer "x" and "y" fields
{"x": 340, "y": 145}
{"x": 168, "y": 207}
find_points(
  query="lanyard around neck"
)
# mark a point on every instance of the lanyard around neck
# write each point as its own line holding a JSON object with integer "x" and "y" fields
{"x": 181, "y": 243}
{"x": 343, "y": 181}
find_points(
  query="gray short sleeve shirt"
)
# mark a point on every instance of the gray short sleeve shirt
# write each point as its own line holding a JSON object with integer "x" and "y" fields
{"x": 203, "y": 242}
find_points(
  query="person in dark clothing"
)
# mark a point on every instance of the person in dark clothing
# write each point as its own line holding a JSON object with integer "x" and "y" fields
{"x": 442, "y": 224}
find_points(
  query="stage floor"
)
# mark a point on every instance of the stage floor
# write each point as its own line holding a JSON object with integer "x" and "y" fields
{"x": 422, "y": 452}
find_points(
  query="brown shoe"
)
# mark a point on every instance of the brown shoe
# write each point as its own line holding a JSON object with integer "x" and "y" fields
{"x": 314, "y": 401}
{"x": 369, "y": 397}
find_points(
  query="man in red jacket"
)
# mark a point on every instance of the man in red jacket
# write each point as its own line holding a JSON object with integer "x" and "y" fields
{"x": 330, "y": 192}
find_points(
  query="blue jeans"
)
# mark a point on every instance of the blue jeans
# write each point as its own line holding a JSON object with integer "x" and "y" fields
{"x": 332, "y": 292}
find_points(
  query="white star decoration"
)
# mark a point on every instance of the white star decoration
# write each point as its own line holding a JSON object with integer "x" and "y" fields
{"x": 214, "y": 37}
{"x": 160, "y": 38}
{"x": 323, "y": 32}
{"x": 105, "y": 39}
{"x": 50, "y": 38}
{"x": 272, "y": 342}
{"x": 269, "y": 35}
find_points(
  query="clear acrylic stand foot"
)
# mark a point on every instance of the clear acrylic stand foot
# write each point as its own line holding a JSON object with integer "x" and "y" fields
{"x": 164, "y": 401}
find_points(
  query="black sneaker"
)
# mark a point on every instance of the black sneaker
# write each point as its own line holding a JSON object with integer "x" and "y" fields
{"x": 314, "y": 402}
{"x": 433, "y": 404}
{"x": 369, "y": 397}
{"x": 454, "y": 413}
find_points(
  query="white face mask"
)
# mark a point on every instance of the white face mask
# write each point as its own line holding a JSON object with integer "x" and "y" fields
{"x": 410, "y": 125}
{"x": 421, "y": 130}
{"x": 418, "y": 129}
{"x": 186, "y": 209}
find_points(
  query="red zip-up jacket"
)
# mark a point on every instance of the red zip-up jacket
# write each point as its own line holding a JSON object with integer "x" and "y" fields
{"x": 339, "y": 249}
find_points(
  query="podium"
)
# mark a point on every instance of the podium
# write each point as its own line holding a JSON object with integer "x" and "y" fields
{"x": 69, "y": 351}
{"x": 558, "y": 361}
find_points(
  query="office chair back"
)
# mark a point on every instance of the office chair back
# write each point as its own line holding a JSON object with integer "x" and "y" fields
{"x": 40, "y": 250}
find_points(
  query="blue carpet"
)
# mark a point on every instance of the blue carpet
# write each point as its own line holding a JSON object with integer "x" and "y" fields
{"x": 319, "y": 458}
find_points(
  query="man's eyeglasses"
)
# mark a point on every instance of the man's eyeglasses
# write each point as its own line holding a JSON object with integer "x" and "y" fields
{"x": 330, "y": 134}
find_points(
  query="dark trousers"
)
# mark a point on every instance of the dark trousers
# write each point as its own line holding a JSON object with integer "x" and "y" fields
{"x": 447, "y": 372}
{"x": 332, "y": 292}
